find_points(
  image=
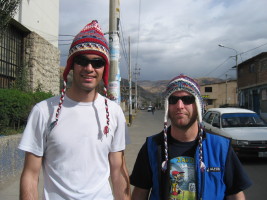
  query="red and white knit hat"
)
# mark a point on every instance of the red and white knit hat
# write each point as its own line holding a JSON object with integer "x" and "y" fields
{"x": 90, "y": 40}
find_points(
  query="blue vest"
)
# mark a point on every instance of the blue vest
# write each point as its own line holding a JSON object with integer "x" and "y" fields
{"x": 210, "y": 183}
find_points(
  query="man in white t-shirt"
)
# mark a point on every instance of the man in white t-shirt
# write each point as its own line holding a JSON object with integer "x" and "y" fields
{"x": 79, "y": 137}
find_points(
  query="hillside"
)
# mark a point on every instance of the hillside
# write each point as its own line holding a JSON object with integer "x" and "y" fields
{"x": 157, "y": 87}
{"x": 152, "y": 90}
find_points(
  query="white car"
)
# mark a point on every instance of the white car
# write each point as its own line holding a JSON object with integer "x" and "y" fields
{"x": 149, "y": 109}
{"x": 246, "y": 128}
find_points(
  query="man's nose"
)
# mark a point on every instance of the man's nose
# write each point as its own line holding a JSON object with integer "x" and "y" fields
{"x": 180, "y": 104}
{"x": 89, "y": 67}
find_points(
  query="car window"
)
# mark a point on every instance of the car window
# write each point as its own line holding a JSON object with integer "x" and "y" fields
{"x": 206, "y": 116}
{"x": 242, "y": 120}
{"x": 216, "y": 120}
{"x": 210, "y": 118}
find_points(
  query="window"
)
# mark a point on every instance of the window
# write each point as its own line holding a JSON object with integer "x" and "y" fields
{"x": 252, "y": 68}
{"x": 208, "y": 89}
{"x": 209, "y": 101}
{"x": 208, "y": 117}
{"x": 264, "y": 65}
{"x": 10, "y": 55}
{"x": 216, "y": 121}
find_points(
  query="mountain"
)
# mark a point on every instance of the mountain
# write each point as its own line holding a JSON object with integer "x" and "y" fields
{"x": 150, "y": 91}
{"x": 143, "y": 93}
{"x": 157, "y": 87}
{"x": 154, "y": 87}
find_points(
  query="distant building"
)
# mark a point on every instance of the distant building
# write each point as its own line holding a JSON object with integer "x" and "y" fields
{"x": 252, "y": 84}
{"x": 29, "y": 47}
{"x": 219, "y": 94}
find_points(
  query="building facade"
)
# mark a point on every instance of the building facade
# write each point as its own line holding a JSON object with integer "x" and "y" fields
{"x": 219, "y": 94}
{"x": 252, "y": 84}
{"x": 29, "y": 47}
{"x": 41, "y": 17}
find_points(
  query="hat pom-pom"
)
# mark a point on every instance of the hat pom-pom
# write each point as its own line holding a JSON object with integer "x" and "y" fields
{"x": 164, "y": 165}
{"x": 106, "y": 130}
{"x": 202, "y": 166}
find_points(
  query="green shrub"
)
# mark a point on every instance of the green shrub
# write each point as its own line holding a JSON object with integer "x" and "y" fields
{"x": 15, "y": 106}
{"x": 39, "y": 96}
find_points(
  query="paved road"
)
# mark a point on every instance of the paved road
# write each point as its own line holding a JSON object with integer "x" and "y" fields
{"x": 257, "y": 171}
{"x": 146, "y": 124}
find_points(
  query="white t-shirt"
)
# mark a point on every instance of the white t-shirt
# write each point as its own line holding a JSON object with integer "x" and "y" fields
{"x": 75, "y": 152}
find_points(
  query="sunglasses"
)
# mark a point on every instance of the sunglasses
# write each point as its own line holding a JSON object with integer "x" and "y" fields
{"x": 187, "y": 100}
{"x": 83, "y": 61}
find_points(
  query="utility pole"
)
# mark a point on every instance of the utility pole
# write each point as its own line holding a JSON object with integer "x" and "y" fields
{"x": 130, "y": 84}
{"x": 226, "y": 97}
{"x": 114, "y": 45}
{"x": 236, "y": 66}
{"x": 137, "y": 72}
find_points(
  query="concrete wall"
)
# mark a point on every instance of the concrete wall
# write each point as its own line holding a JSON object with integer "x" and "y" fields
{"x": 11, "y": 159}
{"x": 41, "y": 17}
{"x": 41, "y": 61}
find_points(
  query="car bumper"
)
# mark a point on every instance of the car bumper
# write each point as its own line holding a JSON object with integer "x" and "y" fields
{"x": 247, "y": 151}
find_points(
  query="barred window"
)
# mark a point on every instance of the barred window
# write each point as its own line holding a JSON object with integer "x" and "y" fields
{"x": 10, "y": 55}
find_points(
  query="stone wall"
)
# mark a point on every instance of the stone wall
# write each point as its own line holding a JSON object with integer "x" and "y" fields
{"x": 41, "y": 61}
{"x": 11, "y": 158}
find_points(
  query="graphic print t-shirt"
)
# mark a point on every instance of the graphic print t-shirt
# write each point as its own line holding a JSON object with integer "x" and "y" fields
{"x": 182, "y": 170}
{"x": 182, "y": 178}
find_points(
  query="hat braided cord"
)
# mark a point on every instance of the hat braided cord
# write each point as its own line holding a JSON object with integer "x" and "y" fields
{"x": 202, "y": 165}
{"x": 165, "y": 162}
{"x": 63, "y": 91}
{"x": 106, "y": 128}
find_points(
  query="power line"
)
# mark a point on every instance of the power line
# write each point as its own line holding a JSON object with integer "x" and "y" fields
{"x": 66, "y": 35}
{"x": 122, "y": 43}
{"x": 253, "y": 48}
{"x": 218, "y": 66}
{"x": 239, "y": 54}
{"x": 64, "y": 44}
{"x": 139, "y": 16}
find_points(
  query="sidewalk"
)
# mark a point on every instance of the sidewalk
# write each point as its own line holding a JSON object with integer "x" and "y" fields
{"x": 144, "y": 124}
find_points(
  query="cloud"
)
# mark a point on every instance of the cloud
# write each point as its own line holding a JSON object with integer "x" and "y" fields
{"x": 177, "y": 36}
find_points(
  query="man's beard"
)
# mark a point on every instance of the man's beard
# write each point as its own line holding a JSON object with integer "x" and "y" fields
{"x": 183, "y": 126}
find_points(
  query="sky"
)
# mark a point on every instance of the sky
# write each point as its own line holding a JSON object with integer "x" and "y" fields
{"x": 175, "y": 36}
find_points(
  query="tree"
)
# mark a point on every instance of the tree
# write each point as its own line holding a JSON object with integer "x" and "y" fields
{"x": 8, "y": 9}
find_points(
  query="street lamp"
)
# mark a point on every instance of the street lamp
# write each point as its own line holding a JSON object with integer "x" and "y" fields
{"x": 220, "y": 45}
{"x": 236, "y": 54}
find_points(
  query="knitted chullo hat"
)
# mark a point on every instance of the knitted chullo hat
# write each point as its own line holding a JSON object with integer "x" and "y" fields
{"x": 90, "y": 40}
{"x": 183, "y": 83}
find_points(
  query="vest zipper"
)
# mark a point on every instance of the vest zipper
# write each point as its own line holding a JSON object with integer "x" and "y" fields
{"x": 202, "y": 184}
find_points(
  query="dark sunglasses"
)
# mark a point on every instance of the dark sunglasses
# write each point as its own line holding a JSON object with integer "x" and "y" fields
{"x": 185, "y": 99}
{"x": 83, "y": 61}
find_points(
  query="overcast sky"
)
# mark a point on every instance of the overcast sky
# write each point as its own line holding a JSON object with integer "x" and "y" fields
{"x": 175, "y": 36}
